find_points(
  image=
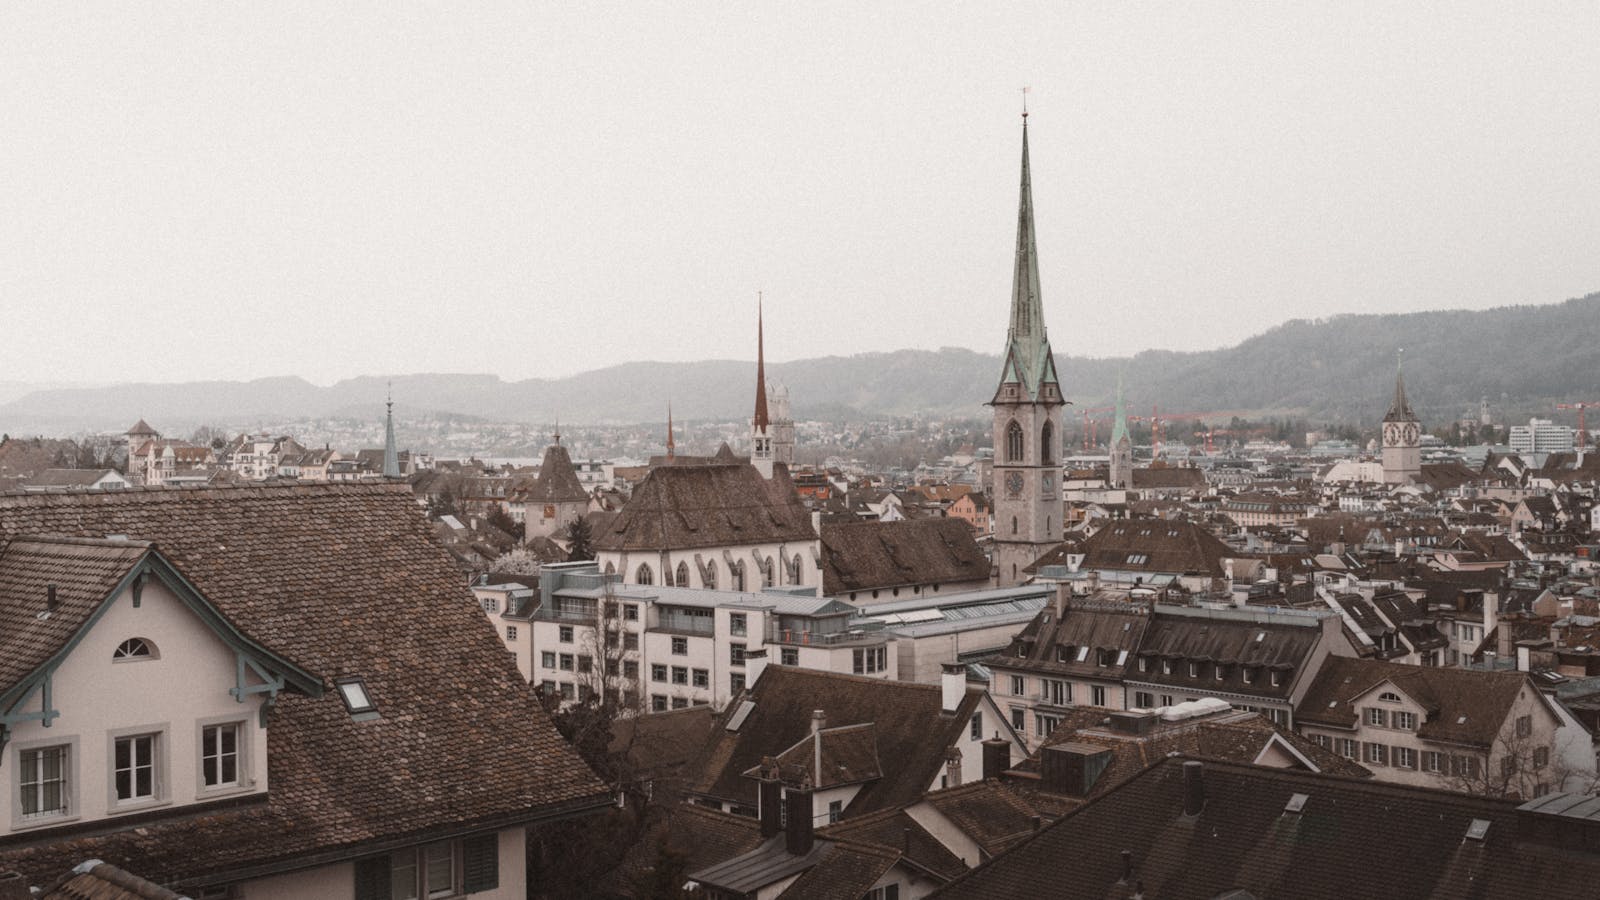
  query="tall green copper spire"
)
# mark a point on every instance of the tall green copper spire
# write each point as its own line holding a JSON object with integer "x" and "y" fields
{"x": 1028, "y": 360}
{"x": 1400, "y": 408}
{"x": 1119, "y": 431}
{"x": 391, "y": 457}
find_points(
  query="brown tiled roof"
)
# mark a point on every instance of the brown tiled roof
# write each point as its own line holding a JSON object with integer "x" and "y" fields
{"x": 849, "y": 756}
{"x": 1098, "y": 627}
{"x": 894, "y": 829}
{"x": 1167, "y": 547}
{"x": 849, "y": 870}
{"x": 1483, "y": 699}
{"x": 558, "y": 480}
{"x": 678, "y": 507}
{"x": 342, "y": 580}
{"x": 1352, "y": 838}
{"x": 664, "y": 746}
{"x": 989, "y": 812}
{"x": 1242, "y": 647}
{"x": 1151, "y": 479}
{"x": 912, "y": 732}
{"x": 863, "y": 556}
{"x": 84, "y": 573}
{"x": 95, "y": 880}
{"x": 1446, "y": 476}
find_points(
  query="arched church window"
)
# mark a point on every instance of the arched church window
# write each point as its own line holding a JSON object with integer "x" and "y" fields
{"x": 1047, "y": 437}
{"x": 683, "y": 574}
{"x": 736, "y": 575}
{"x": 768, "y": 573}
{"x": 711, "y": 575}
{"x": 644, "y": 576}
{"x": 1013, "y": 442}
{"x": 1047, "y": 520}
{"x": 795, "y": 578}
{"x": 1013, "y": 524}
{"x": 611, "y": 568}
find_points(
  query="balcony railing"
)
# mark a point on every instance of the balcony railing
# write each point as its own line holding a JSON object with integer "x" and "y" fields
{"x": 691, "y": 624}
{"x": 586, "y": 616}
{"x": 823, "y": 638}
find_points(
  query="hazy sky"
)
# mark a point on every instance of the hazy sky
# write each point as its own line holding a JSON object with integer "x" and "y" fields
{"x": 217, "y": 190}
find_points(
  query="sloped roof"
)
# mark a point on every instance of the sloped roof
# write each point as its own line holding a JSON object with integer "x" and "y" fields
{"x": 850, "y": 870}
{"x": 859, "y": 556}
{"x": 849, "y": 756}
{"x": 912, "y": 732}
{"x": 69, "y": 477}
{"x": 96, "y": 880}
{"x": 1466, "y": 706}
{"x": 1237, "y": 644}
{"x": 1167, "y": 477}
{"x": 558, "y": 480}
{"x": 1166, "y": 547}
{"x": 990, "y": 812}
{"x": 678, "y": 507}
{"x": 1090, "y": 625}
{"x": 894, "y": 829}
{"x": 1350, "y": 836}
{"x": 342, "y": 579}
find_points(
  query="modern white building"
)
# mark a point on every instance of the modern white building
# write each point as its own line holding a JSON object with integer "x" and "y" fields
{"x": 1542, "y": 436}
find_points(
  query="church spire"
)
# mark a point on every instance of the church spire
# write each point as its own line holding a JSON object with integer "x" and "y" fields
{"x": 1400, "y": 408}
{"x": 761, "y": 419}
{"x": 1119, "y": 430}
{"x": 391, "y": 456}
{"x": 672, "y": 444}
{"x": 1029, "y": 361}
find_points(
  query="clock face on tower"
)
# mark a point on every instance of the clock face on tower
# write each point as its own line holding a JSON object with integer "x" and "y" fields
{"x": 1411, "y": 434}
{"x": 1391, "y": 434}
{"x": 1014, "y": 483}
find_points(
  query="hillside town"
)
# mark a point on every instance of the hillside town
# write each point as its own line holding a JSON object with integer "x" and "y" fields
{"x": 1047, "y": 663}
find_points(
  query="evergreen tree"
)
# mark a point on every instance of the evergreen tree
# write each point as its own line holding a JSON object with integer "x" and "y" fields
{"x": 580, "y": 540}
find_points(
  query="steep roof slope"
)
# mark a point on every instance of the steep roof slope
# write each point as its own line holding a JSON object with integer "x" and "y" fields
{"x": 679, "y": 507}
{"x": 342, "y": 580}
{"x": 861, "y": 556}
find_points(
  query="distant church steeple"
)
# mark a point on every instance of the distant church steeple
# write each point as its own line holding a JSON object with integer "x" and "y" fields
{"x": 1402, "y": 433}
{"x": 672, "y": 444}
{"x": 1027, "y": 413}
{"x": 761, "y": 422}
{"x": 391, "y": 456}
{"x": 1121, "y": 474}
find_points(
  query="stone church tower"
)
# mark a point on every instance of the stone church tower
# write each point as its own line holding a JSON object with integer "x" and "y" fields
{"x": 1121, "y": 474}
{"x": 1027, "y": 415}
{"x": 1402, "y": 435}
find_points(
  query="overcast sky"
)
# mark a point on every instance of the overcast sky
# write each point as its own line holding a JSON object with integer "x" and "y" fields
{"x": 234, "y": 191}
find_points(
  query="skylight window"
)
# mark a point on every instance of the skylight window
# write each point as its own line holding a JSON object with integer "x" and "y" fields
{"x": 353, "y": 691}
{"x": 1478, "y": 830}
{"x": 1297, "y": 802}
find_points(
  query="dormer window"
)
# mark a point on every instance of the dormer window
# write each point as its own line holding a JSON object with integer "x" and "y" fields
{"x": 134, "y": 649}
{"x": 353, "y": 691}
{"x": 1194, "y": 670}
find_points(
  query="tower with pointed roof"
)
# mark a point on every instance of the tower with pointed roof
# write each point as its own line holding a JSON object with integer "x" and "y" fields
{"x": 761, "y": 455}
{"x": 1027, "y": 413}
{"x": 391, "y": 455}
{"x": 1121, "y": 474}
{"x": 1402, "y": 435}
{"x": 672, "y": 442}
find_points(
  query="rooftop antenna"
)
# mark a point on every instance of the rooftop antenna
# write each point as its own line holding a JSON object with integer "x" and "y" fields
{"x": 1025, "y": 91}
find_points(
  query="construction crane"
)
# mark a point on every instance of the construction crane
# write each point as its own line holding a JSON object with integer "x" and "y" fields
{"x": 1583, "y": 430}
{"x": 1091, "y": 426}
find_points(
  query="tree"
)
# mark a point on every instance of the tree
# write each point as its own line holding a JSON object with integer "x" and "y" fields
{"x": 442, "y": 504}
{"x": 1518, "y": 766}
{"x": 499, "y": 518}
{"x": 580, "y": 540}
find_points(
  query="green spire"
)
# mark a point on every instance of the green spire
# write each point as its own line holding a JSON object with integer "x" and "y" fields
{"x": 391, "y": 457}
{"x": 1028, "y": 361}
{"x": 1119, "y": 431}
{"x": 1400, "y": 408}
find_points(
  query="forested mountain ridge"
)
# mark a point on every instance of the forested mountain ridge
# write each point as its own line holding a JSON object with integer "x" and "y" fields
{"x": 1339, "y": 369}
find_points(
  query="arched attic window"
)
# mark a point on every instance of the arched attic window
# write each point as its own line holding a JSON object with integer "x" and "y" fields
{"x": 1047, "y": 439}
{"x": 644, "y": 575}
{"x": 135, "y": 649}
{"x": 683, "y": 574}
{"x": 1014, "y": 442}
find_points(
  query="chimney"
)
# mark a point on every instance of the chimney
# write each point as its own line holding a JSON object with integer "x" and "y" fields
{"x": 14, "y": 887}
{"x": 770, "y": 798}
{"x": 1194, "y": 788}
{"x": 952, "y": 767}
{"x": 755, "y": 662}
{"x": 1071, "y": 770}
{"x": 954, "y": 684}
{"x": 996, "y": 757}
{"x": 797, "y": 831}
{"x": 50, "y": 602}
{"x": 1127, "y": 866}
{"x": 1036, "y": 822}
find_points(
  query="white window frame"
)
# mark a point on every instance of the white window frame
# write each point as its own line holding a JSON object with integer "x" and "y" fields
{"x": 160, "y": 790}
{"x": 69, "y": 776}
{"x": 244, "y": 737}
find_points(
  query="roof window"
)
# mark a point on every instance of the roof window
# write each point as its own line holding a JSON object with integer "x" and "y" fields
{"x": 353, "y": 691}
{"x": 1478, "y": 830}
{"x": 1297, "y": 802}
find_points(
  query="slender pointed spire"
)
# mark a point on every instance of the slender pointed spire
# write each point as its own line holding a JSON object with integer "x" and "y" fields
{"x": 1029, "y": 361}
{"x": 761, "y": 420}
{"x": 557, "y": 432}
{"x": 1119, "y": 431}
{"x": 391, "y": 456}
{"x": 1400, "y": 407}
{"x": 672, "y": 444}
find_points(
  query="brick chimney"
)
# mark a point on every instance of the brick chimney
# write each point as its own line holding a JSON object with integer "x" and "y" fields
{"x": 952, "y": 767}
{"x": 770, "y": 798}
{"x": 1194, "y": 788}
{"x": 996, "y": 757}
{"x": 14, "y": 887}
{"x": 798, "y": 837}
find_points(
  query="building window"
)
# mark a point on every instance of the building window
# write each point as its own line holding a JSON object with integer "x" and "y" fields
{"x": 1405, "y": 758}
{"x": 789, "y": 656}
{"x": 630, "y": 612}
{"x": 870, "y": 660}
{"x": 1377, "y": 754}
{"x": 1377, "y": 717}
{"x": 491, "y": 605}
{"x": 767, "y": 573}
{"x": 1057, "y": 693}
{"x": 568, "y": 692}
{"x": 547, "y": 659}
{"x": 658, "y": 703}
{"x": 680, "y": 675}
{"x": 1097, "y": 695}
{"x": 835, "y": 808}
{"x": 134, "y": 649}
{"x": 1013, "y": 531}
{"x": 1143, "y": 700}
{"x": 1432, "y": 761}
{"x": 737, "y": 624}
{"x": 1014, "y": 442}
{"x": 565, "y": 634}
{"x": 219, "y": 755}
{"x": 1405, "y": 721}
{"x": 702, "y": 678}
{"x": 736, "y": 682}
{"x": 1194, "y": 670}
{"x": 1541, "y": 757}
{"x": 1019, "y": 685}
{"x": 1465, "y": 766}
{"x": 44, "y": 782}
{"x": 796, "y": 572}
{"x": 1524, "y": 726}
{"x": 134, "y": 767}
{"x": 566, "y": 662}
{"x": 736, "y": 654}
{"x": 1389, "y": 697}
{"x": 736, "y": 575}
{"x": 643, "y": 575}
{"x": 1046, "y": 441}
{"x": 1277, "y": 678}
{"x": 975, "y": 727}
{"x": 511, "y": 632}
{"x": 1046, "y": 723}
{"x": 884, "y": 892}
{"x": 1345, "y": 747}
{"x": 585, "y": 663}
{"x": 630, "y": 640}
{"x": 1166, "y": 667}
{"x": 1019, "y": 718}
{"x": 680, "y": 646}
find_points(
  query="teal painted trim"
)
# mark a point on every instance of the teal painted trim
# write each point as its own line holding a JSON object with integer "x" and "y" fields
{"x": 46, "y": 713}
{"x": 272, "y": 684}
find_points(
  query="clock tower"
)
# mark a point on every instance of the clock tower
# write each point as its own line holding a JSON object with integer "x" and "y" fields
{"x": 1027, "y": 415}
{"x": 1402, "y": 437}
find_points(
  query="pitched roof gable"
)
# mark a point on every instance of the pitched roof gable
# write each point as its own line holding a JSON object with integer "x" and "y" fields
{"x": 708, "y": 506}
{"x": 862, "y": 556}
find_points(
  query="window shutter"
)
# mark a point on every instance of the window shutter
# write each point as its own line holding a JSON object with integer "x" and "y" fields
{"x": 372, "y": 878}
{"x": 482, "y": 865}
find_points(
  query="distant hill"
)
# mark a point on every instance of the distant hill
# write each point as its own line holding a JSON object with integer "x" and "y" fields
{"x": 1339, "y": 369}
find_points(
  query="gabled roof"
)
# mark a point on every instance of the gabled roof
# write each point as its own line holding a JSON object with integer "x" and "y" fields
{"x": 1157, "y": 546}
{"x": 912, "y": 733}
{"x": 1400, "y": 407}
{"x": 894, "y": 829}
{"x": 860, "y": 556}
{"x": 1245, "y": 648}
{"x": 343, "y": 579}
{"x": 680, "y": 507}
{"x": 1075, "y": 640}
{"x": 1465, "y": 706}
{"x": 849, "y": 756}
{"x": 994, "y": 815}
